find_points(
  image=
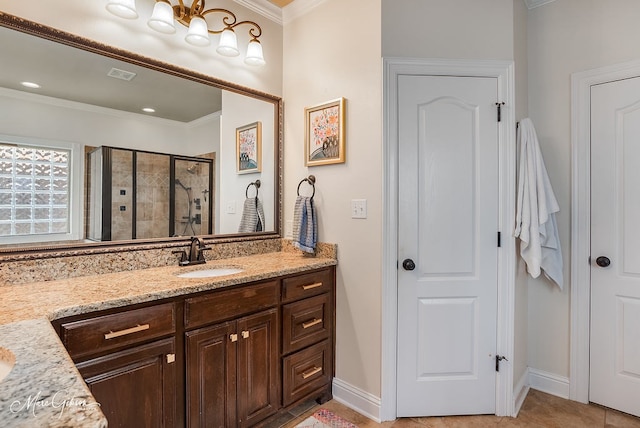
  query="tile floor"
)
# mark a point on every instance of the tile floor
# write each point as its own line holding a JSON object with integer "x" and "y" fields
{"x": 539, "y": 410}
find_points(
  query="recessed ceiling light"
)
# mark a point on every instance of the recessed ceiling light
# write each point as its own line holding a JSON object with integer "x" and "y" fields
{"x": 149, "y": 110}
{"x": 30, "y": 85}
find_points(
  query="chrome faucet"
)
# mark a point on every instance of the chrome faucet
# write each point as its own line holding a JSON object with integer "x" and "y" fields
{"x": 196, "y": 254}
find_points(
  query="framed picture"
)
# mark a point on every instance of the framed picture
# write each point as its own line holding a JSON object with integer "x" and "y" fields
{"x": 249, "y": 148}
{"x": 324, "y": 141}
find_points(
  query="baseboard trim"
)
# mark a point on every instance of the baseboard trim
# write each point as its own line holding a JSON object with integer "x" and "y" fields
{"x": 520, "y": 392}
{"x": 549, "y": 382}
{"x": 361, "y": 401}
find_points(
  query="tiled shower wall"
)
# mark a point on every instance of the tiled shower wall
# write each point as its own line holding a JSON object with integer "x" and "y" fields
{"x": 152, "y": 205}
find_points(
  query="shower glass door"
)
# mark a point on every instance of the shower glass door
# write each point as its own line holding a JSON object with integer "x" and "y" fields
{"x": 192, "y": 183}
{"x": 152, "y": 195}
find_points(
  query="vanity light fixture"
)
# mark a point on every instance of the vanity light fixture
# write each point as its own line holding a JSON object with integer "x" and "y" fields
{"x": 149, "y": 110}
{"x": 165, "y": 14}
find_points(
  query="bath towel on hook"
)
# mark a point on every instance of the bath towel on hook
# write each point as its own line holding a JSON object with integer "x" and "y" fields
{"x": 536, "y": 207}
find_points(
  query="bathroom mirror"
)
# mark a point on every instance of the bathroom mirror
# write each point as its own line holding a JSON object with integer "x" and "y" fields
{"x": 182, "y": 157}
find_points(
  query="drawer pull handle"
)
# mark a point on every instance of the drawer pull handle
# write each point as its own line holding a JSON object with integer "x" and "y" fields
{"x": 311, "y": 323}
{"x": 245, "y": 334}
{"x": 311, "y": 372}
{"x": 311, "y": 286}
{"x": 114, "y": 334}
{"x": 233, "y": 337}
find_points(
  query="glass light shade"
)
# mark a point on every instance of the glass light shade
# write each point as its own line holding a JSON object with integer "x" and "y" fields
{"x": 123, "y": 8}
{"x": 228, "y": 45}
{"x": 198, "y": 34}
{"x": 162, "y": 18}
{"x": 254, "y": 54}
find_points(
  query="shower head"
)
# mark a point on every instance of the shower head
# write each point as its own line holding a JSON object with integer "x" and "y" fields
{"x": 193, "y": 168}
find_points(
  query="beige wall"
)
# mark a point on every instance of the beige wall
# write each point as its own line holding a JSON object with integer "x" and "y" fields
{"x": 566, "y": 36}
{"x": 467, "y": 29}
{"x": 330, "y": 53}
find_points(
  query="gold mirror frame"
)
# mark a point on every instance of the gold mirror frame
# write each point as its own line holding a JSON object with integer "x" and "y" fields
{"x": 43, "y": 251}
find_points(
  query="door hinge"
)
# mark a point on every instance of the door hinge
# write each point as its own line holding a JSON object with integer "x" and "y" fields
{"x": 499, "y": 239}
{"x": 499, "y": 105}
{"x": 498, "y": 359}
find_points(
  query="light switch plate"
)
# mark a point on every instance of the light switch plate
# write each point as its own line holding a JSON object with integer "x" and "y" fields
{"x": 358, "y": 208}
{"x": 231, "y": 207}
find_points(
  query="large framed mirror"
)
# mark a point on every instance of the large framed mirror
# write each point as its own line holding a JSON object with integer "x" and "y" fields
{"x": 82, "y": 166}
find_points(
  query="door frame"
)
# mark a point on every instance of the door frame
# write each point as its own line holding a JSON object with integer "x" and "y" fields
{"x": 504, "y": 72}
{"x": 581, "y": 83}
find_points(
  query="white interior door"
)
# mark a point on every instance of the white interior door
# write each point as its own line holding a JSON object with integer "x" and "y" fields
{"x": 447, "y": 225}
{"x": 615, "y": 245}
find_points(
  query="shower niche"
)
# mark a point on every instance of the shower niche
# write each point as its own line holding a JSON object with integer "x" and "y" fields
{"x": 134, "y": 194}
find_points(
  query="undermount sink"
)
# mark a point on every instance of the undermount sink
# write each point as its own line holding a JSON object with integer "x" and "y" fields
{"x": 210, "y": 273}
{"x": 7, "y": 361}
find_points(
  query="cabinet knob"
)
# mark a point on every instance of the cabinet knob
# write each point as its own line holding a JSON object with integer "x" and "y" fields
{"x": 171, "y": 358}
{"x": 245, "y": 334}
{"x": 233, "y": 337}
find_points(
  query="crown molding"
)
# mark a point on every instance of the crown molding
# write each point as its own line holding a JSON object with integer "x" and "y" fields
{"x": 536, "y": 3}
{"x": 264, "y": 8}
{"x": 298, "y": 8}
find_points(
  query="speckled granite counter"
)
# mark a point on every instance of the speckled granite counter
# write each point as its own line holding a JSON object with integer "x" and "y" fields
{"x": 43, "y": 367}
{"x": 43, "y": 389}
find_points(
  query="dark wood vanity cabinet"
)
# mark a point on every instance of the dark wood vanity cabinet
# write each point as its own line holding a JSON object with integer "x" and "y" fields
{"x": 232, "y": 368}
{"x": 135, "y": 387}
{"x": 131, "y": 373}
{"x": 233, "y": 357}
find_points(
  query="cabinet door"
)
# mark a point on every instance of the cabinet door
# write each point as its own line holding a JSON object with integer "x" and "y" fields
{"x": 135, "y": 387}
{"x": 211, "y": 376}
{"x": 258, "y": 367}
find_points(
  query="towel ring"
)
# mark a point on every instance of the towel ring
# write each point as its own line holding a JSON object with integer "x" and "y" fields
{"x": 254, "y": 183}
{"x": 312, "y": 182}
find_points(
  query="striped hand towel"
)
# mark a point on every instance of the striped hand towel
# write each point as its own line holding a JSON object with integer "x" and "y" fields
{"x": 252, "y": 216}
{"x": 305, "y": 225}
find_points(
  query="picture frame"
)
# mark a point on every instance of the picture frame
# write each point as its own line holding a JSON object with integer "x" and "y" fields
{"x": 249, "y": 148}
{"x": 324, "y": 141}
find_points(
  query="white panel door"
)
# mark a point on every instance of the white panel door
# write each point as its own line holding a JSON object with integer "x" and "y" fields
{"x": 448, "y": 223}
{"x": 615, "y": 245}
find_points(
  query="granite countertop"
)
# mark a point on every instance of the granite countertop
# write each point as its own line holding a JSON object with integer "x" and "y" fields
{"x": 44, "y": 388}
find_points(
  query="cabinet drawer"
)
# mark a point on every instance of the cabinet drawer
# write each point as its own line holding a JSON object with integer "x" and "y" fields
{"x": 305, "y": 371}
{"x": 102, "y": 333}
{"x": 305, "y": 322}
{"x": 222, "y": 305}
{"x": 310, "y": 284}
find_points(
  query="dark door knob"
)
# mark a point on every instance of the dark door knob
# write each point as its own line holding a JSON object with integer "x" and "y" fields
{"x": 603, "y": 261}
{"x": 408, "y": 264}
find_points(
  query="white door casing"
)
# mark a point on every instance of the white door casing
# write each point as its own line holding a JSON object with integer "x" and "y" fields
{"x": 503, "y": 72}
{"x": 615, "y": 239}
{"x": 448, "y": 224}
{"x": 581, "y": 84}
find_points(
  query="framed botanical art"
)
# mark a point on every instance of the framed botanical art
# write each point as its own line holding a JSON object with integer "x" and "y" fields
{"x": 324, "y": 139}
{"x": 249, "y": 148}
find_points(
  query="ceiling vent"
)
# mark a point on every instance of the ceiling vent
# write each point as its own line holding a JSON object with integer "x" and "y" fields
{"x": 116, "y": 73}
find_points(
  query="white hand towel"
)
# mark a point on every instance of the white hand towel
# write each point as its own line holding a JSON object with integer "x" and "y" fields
{"x": 536, "y": 207}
